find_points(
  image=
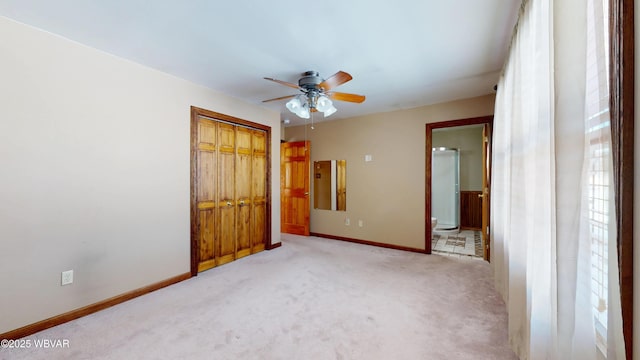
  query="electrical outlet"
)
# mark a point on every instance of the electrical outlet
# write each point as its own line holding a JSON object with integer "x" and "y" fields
{"x": 67, "y": 277}
{"x": 360, "y": 223}
{"x": 347, "y": 221}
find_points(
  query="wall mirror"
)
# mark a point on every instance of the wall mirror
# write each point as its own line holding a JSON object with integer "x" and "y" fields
{"x": 330, "y": 185}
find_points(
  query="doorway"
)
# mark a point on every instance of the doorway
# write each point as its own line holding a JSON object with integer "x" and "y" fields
{"x": 457, "y": 186}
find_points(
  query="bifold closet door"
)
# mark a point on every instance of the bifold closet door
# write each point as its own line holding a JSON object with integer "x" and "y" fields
{"x": 207, "y": 169}
{"x": 243, "y": 190}
{"x": 231, "y": 192}
{"x": 226, "y": 219}
{"x": 259, "y": 191}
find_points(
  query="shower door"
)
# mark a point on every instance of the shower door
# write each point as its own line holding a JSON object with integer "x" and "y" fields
{"x": 445, "y": 188}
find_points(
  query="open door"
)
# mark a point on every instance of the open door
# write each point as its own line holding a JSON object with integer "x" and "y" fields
{"x": 294, "y": 187}
{"x": 486, "y": 184}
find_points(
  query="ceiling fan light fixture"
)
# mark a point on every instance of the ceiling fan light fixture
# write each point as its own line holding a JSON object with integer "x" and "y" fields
{"x": 332, "y": 109}
{"x": 317, "y": 94}
{"x": 294, "y": 104}
{"x": 303, "y": 111}
{"x": 324, "y": 103}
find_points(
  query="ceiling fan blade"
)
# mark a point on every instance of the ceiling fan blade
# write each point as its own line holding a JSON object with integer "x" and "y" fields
{"x": 280, "y": 98}
{"x": 283, "y": 83}
{"x": 346, "y": 97}
{"x": 334, "y": 80}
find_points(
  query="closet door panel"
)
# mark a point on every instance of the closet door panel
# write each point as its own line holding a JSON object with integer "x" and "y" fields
{"x": 206, "y": 192}
{"x": 207, "y": 176}
{"x": 206, "y": 233}
{"x": 259, "y": 203}
{"x": 259, "y": 229}
{"x": 226, "y": 247}
{"x": 243, "y": 191}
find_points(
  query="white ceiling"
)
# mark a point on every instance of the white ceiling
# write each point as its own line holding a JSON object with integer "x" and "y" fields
{"x": 401, "y": 53}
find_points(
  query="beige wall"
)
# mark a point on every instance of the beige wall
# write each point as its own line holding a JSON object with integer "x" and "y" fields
{"x": 388, "y": 193}
{"x": 469, "y": 141}
{"x": 94, "y": 154}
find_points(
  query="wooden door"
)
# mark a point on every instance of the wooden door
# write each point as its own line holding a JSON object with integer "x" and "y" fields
{"x": 259, "y": 192}
{"x": 243, "y": 196}
{"x": 486, "y": 184}
{"x": 294, "y": 187}
{"x": 226, "y": 221}
{"x": 206, "y": 205}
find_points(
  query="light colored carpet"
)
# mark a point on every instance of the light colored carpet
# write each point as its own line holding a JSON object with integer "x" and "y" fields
{"x": 310, "y": 299}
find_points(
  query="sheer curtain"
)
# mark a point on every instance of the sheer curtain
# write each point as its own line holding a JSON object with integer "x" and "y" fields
{"x": 550, "y": 210}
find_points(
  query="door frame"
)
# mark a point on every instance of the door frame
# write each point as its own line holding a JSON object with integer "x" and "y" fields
{"x": 195, "y": 113}
{"x": 428, "y": 148}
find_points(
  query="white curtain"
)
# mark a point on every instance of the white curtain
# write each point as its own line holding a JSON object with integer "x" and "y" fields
{"x": 543, "y": 197}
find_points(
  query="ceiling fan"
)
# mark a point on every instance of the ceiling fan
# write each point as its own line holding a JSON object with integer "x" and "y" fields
{"x": 316, "y": 93}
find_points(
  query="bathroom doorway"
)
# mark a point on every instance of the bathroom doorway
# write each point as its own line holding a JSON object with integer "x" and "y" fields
{"x": 457, "y": 186}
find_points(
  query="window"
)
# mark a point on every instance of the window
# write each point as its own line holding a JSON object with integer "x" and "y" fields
{"x": 598, "y": 136}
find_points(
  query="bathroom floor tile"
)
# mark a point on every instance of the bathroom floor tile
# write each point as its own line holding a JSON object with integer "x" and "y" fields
{"x": 465, "y": 243}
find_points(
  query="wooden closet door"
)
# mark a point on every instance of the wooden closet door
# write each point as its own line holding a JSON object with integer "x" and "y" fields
{"x": 259, "y": 191}
{"x": 243, "y": 191}
{"x": 230, "y": 191}
{"x": 206, "y": 139}
{"x": 226, "y": 247}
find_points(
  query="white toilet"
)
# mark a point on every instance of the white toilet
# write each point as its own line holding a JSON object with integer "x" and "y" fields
{"x": 434, "y": 222}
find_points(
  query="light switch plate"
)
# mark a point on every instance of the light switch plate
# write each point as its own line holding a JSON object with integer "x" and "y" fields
{"x": 67, "y": 277}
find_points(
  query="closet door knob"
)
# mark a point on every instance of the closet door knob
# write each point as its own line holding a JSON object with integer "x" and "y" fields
{"x": 228, "y": 203}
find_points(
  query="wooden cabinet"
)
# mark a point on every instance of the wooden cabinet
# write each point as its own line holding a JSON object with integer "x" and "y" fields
{"x": 471, "y": 210}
